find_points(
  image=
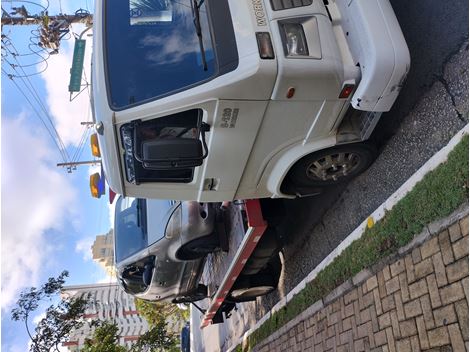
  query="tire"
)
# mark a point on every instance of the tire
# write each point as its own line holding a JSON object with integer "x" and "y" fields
{"x": 199, "y": 293}
{"x": 251, "y": 287}
{"x": 248, "y": 287}
{"x": 332, "y": 166}
{"x": 198, "y": 248}
{"x": 268, "y": 246}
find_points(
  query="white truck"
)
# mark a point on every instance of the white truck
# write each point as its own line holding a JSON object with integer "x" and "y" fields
{"x": 241, "y": 99}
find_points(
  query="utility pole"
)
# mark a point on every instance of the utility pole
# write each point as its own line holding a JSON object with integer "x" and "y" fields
{"x": 49, "y": 33}
{"x": 72, "y": 165}
{"x": 52, "y": 28}
{"x": 38, "y": 19}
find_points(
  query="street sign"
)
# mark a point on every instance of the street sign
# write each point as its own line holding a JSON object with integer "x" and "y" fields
{"x": 77, "y": 66}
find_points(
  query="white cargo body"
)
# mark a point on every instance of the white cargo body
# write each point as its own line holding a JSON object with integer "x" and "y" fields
{"x": 278, "y": 81}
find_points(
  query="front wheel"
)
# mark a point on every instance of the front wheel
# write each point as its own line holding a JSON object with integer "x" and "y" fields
{"x": 199, "y": 293}
{"x": 198, "y": 248}
{"x": 332, "y": 166}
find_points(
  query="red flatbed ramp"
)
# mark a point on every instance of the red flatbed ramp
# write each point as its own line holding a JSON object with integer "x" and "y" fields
{"x": 224, "y": 268}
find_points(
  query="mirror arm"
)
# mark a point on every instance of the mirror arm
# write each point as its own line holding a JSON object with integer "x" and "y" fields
{"x": 205, "y": 127}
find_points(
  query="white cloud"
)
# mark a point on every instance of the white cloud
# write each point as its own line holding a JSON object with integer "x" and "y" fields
{"x": 111, "y": 209}
{"x": 83, "y": 246}
{"x": 67, "y": 115}
{"x": 107, "y": 279}
{"x": 36, "y": 197}
{"x": 38, "y": 318}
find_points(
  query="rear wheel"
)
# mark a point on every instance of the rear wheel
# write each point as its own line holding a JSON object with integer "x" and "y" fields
{"x": 248, "y": 287}
{"x": 267, "y": 247}
{"x": 332, "y": 166}
{"x": 257, "y": 285}
{"x": 198, "y": 248}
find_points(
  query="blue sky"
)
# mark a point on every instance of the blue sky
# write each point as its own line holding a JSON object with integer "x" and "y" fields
{"x": 49, "y": 219}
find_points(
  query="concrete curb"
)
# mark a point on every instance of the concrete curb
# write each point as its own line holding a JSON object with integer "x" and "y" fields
{"x": 437, "y": 159}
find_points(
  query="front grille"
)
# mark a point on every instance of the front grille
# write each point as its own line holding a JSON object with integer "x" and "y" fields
{"x": 289, "y": 4}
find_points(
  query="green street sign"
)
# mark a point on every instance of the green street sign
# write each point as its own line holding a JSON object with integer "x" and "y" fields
{"x": 77, "y": 66}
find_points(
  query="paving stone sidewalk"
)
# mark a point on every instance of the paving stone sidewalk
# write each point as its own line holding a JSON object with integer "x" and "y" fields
{"x": 419, "y": 302}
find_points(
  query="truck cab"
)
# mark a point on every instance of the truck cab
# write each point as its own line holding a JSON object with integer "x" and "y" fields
{"x": 228, "y": 99}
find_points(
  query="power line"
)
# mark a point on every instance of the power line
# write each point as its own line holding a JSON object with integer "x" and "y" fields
{"x": 38, "y": 114}
{"x": 50, "y": 31}
{"x": 38, "y": 100}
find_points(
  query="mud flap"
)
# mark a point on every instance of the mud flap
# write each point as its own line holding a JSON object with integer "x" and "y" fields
{"x": 225, "y": 308}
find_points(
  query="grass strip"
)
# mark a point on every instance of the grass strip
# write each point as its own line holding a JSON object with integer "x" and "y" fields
{"x": 436, "y": 196}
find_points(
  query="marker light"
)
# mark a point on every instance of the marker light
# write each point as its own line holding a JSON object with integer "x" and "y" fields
{"x": 95, "y": 148}
{"x": 97, "y": 185}
{"x": 290, "y": 92}
{"x": 265, "y": 46}
{"x": 346, "y": 91}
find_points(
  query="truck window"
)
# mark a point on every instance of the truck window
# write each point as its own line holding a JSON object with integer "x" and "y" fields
{"x": 181, "y": 125}
{"x": 152, "y": 50}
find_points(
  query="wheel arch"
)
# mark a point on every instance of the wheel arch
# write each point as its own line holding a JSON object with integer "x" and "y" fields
{"x": 278, "y": 168}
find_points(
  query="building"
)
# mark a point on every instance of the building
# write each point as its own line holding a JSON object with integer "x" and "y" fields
{"x": 103, "y": 252}
{"x": 108, "y": 302}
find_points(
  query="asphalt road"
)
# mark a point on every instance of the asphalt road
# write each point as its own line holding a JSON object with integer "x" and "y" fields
{"x": 432, "y": 107}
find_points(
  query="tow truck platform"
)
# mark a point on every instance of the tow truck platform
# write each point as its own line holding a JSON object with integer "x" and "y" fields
{"x": 245, "y": 226}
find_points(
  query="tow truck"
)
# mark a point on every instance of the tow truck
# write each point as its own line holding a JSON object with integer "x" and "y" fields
{"x": 220, "y": 100}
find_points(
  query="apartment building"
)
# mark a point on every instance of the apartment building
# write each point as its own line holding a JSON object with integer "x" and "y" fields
{"x": 108, "y": 302}
{"x": 103, "y": 252}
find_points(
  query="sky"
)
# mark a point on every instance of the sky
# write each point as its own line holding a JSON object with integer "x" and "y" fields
{"x": 48, "y": 218}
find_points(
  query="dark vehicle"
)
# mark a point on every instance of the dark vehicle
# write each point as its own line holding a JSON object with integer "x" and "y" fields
{"x": 185, "y": 338}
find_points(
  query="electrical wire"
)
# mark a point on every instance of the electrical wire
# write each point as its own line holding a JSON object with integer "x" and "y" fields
{"x": 37, "y": 113}
{"x": 28, "y": 84}
{"x": 20, "y": 77}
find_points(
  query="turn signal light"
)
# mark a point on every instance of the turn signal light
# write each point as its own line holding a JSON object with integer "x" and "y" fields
{"x": 265, "y": 45}
{"x": 95, "y": 148}
{"x": 97, "y": 185}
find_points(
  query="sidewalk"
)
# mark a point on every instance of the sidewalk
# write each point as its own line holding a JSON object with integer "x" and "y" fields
{"x": 416, "y": 302}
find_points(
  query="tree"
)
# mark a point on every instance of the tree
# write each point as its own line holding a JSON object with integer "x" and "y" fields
{"x": 155, "y": 340}
{"x": 60, "y": 319}
{"x": 154, "y": 312}
{"x": 105, "y": 339}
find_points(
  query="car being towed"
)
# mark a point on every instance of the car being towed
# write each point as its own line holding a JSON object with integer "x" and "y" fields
{"x": 160, "y": 247}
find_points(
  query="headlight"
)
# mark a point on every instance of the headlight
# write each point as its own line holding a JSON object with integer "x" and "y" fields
{"x": 174, "y": 224}
{"x": 294, "y": 39}
{"x": 127, "y": 135}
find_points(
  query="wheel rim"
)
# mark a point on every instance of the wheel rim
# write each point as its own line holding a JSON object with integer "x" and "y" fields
{"x": 332, "y": 167}
{"x": 252, "y": 291}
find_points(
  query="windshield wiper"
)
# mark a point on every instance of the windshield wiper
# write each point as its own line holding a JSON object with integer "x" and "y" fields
{"x": 195, "y": 5}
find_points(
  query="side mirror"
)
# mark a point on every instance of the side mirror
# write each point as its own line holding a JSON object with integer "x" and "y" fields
{"x": 172, "y": 153}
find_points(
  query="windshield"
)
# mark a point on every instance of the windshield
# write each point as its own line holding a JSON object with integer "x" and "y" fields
{"x": 130, "y": 227}
{"x": 133, "y": 229}
{"x": 153, "y": 49}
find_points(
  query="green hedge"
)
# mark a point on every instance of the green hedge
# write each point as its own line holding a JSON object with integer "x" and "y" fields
{"x": 439, "y": 193}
